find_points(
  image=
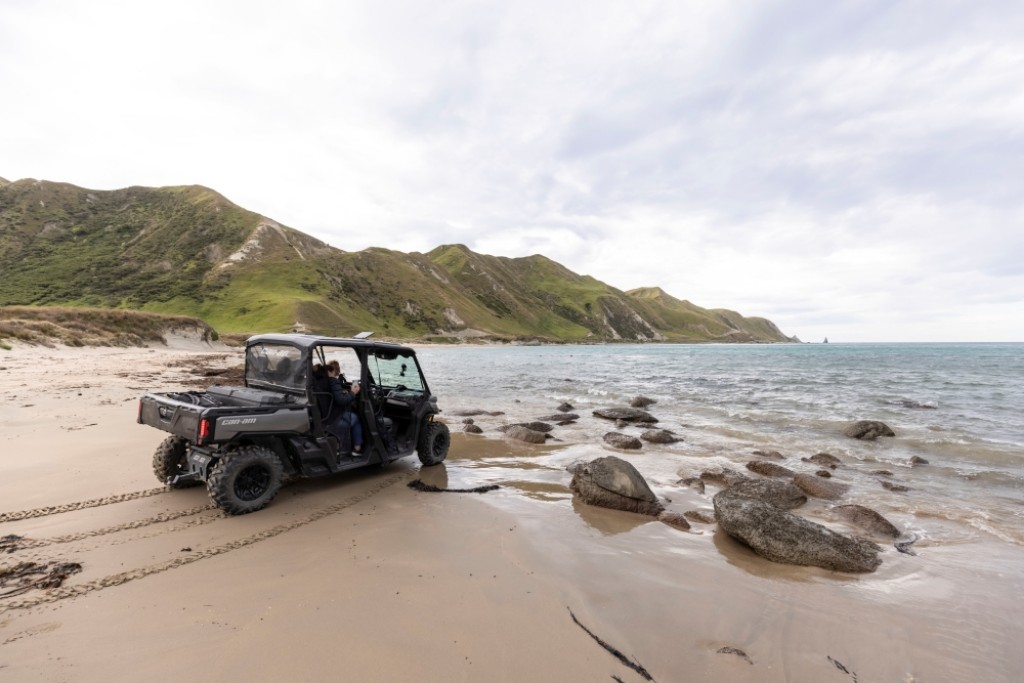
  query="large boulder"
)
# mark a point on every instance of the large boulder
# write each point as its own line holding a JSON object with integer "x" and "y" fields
{"x": 626, "y": 414}
{"x": 612, "y": 482}
{"x": 868, "y": 430}
{"x": 820, "y": 488}
{"x": 781, "y": 494}
{"x": 781, "y": 536}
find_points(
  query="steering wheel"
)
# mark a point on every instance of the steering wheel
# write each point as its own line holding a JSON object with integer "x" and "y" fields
{"x": 376, "y": 393}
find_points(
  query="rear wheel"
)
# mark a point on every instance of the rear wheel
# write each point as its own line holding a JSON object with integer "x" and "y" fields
{"x": 245, "y": 480}
{"x": 434, "y": 442}
{"x": 170, "y": 460}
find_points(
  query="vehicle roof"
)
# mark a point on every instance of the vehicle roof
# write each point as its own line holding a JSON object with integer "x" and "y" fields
{"x": 307, "y": 341}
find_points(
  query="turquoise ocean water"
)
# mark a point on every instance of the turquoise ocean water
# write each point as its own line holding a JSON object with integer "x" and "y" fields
{"x": 958, "y": 406}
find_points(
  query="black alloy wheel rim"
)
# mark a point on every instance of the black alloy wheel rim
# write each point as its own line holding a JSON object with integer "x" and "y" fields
{"x": 439, "y": 445}
{"x": 252, "y": 482}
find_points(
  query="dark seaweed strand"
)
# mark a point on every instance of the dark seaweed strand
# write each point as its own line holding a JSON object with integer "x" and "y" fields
{"x": 419, "y": 485}
{"x": 615, "y": 653}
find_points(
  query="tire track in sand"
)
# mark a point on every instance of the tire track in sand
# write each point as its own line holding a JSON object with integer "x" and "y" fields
{"x": 65, "y": 592}
{"x": 30, "y": 543}
{"x": 80, "y": 505}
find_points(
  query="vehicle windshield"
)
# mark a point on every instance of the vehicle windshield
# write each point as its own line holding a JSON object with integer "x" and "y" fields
{"x": 275, "y": 366}
{"x": 392, "y": 370}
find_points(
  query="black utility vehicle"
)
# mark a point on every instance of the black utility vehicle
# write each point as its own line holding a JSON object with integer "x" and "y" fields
{"x": 244, "y": 442}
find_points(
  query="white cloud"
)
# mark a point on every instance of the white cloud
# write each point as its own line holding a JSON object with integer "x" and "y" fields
{"x": 846, "y": 170}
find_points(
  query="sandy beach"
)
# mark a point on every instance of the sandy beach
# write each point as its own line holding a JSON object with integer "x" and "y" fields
{"x": 358, "y": 577}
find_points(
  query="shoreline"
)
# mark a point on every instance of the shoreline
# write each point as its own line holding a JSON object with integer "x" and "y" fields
{"x": 393, "y": 584}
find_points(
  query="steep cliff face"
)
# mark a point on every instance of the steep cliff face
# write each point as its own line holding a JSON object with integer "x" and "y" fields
{"x": 190, "y": 251}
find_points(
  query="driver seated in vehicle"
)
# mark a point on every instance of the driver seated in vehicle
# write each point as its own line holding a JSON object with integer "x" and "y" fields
{"x": 328, "y": 381}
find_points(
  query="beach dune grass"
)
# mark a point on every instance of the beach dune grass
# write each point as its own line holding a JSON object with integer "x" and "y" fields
{"x": 46, "y": 325}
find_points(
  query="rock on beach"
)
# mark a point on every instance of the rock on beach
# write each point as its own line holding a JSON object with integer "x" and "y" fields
{"x": 868, "y": 430}
{"x": 866, "y": 519}
{"x": 662, "y": 436}
{"x": 777, "y": 493}
{"x": 520, "y": 433}
{"x": 769, "y": 469}
{"x": 626, "y": 414}
{"x": 782, "y": 536}
{"x": 612, "y": 482}
{"x": 624, "y": 441}
{"x": 820, "y": 488}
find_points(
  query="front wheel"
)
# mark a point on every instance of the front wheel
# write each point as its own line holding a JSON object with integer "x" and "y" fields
{"x": 245, "y": 480}
{"x": 170, "y": 460}
{"x": 434, "y": 442}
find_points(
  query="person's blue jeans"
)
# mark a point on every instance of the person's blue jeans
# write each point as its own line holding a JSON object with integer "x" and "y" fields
{"x": 352, "y": 420}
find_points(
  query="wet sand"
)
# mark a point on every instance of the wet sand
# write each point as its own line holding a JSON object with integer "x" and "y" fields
{"x": 358, "y": 577}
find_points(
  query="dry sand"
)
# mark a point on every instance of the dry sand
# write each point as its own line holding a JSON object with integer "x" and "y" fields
{"x": 357, "y": 577}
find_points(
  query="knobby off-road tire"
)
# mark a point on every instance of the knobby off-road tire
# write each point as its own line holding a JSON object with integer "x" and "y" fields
{"x": 171, "y": 459}
{"x": 434, "y": 442}
{"x": 245, "y": 480}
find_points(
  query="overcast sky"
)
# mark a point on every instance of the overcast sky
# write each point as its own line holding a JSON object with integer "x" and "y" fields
{"x": 852, "y": 170}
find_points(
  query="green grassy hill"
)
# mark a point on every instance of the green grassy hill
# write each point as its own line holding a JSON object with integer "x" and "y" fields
{"x": 189, "y": 251}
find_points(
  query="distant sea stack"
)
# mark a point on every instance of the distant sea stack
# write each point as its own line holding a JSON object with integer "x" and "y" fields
{"x": 189, "y": 251}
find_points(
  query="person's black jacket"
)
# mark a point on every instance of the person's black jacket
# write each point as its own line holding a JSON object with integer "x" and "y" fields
{"x": 331, "y": 398}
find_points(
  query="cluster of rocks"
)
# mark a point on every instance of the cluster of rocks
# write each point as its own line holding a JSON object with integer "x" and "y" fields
{"x": 539, "y": 430}
{"x": 757, "y": 511}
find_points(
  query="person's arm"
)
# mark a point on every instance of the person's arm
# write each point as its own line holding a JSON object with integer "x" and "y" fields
{"x": 342, "y": 398}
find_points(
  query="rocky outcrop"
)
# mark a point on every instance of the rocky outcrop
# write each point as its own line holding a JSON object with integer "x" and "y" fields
{"x": 624, "y": 441}
{"x": 626, "y": 414}
{"x": 868, "y": 430}
{"x": 781, "y": 536}
{"x": 612, "y": 482}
